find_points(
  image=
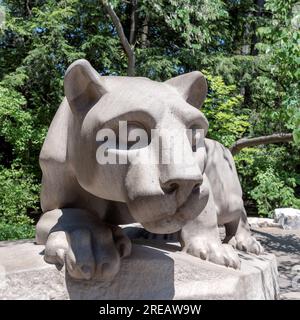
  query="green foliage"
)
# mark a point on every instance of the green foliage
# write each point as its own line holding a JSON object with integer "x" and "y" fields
{"x": 18, "y": 188}
{"x": 16, "y": 125}
{"x": 269, "y": 177}
{"x": 15, "y": 231}
{"x": 272, "y": 192}
{"x": 19, "y": 194}
{"x": 192, "y": 21}
{"x": 227, "y": 122}
{"x": 280, "y": 43}
{"x": 263, "y": 63}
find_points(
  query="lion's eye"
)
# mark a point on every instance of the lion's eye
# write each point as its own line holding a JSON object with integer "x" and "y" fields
{"x": 195, "y": 137}
{"x": 132, "y": 136}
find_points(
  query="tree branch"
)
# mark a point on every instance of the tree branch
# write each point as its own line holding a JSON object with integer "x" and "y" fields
{"x": 145, "y": 32}
{"x": 28, "y": 8}
{"x": 125, "y": 44}
{"x": 250, "y": 142}
{"x": 132, "y": 35}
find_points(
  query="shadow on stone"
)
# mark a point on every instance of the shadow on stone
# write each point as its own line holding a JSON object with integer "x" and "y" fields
{"x": 149, "y": 271}
{"x": 287, "y": 243}
{"x": 157, "y": 271}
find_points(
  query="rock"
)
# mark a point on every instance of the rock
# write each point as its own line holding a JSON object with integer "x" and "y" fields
{"x": 290, "y": 296}
{"x": 287, "y": 218}
{"x": 154, "y": 271}
{"x": 263, "y": 223}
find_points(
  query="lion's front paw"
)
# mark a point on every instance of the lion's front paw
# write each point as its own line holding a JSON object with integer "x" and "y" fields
{"x": 213, "y": 251}
{"x": 88, "y": 254}
{"x": 246, "y": 242}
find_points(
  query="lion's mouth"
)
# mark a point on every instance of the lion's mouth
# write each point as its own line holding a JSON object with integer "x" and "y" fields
{"x": 169, "y": 224}
{"x": 174, "y": 217}
{"x": 163, "y": 227}
{"x": 174, "y": 221}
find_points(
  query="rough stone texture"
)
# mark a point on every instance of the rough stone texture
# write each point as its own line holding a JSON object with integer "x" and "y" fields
{"x": 25, "y": 275}
{"x": 263, "y": 223}
{"x": 150, "y": 273}
{"x": 285, "y": 245}
{"x": 287, "y": 218}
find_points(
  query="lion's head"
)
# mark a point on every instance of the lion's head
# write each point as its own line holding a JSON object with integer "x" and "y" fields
{"x": 131, "y": 143}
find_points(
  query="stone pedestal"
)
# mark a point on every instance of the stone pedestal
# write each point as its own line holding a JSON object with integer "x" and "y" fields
{"x": 154, "y": 271}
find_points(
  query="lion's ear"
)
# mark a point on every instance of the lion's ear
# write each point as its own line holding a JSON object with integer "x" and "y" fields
{"x": 83, "y": 86}
{"x": 192, "y": 86}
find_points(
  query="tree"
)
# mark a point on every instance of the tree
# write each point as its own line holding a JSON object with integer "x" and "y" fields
{"x": 246, "y": 45}
{"x": 248, "y": 50}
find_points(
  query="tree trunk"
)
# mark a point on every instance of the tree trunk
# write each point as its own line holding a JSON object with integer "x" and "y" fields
{"x": 124, "y": 41}
{"x": 249, "y": 44}
{"x": 259, "y": 13}
{"x": 27, "y": 8}
{"x": 145, "y": 31}
{"x": 133, "y": 23}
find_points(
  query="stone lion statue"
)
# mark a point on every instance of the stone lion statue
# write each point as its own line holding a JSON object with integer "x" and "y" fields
{"x": 84, "y": 201}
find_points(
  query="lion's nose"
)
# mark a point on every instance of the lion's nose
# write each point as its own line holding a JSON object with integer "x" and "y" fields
{"x": 190, "y": 185}
{"x": 170, "y": 187}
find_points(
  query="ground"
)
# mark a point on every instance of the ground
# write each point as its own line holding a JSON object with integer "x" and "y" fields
{"x": 285, "y": 245}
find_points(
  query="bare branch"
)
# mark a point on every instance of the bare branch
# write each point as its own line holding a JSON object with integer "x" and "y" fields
{"x": 250, "y": 142}
{"x": 125, "y": 44}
